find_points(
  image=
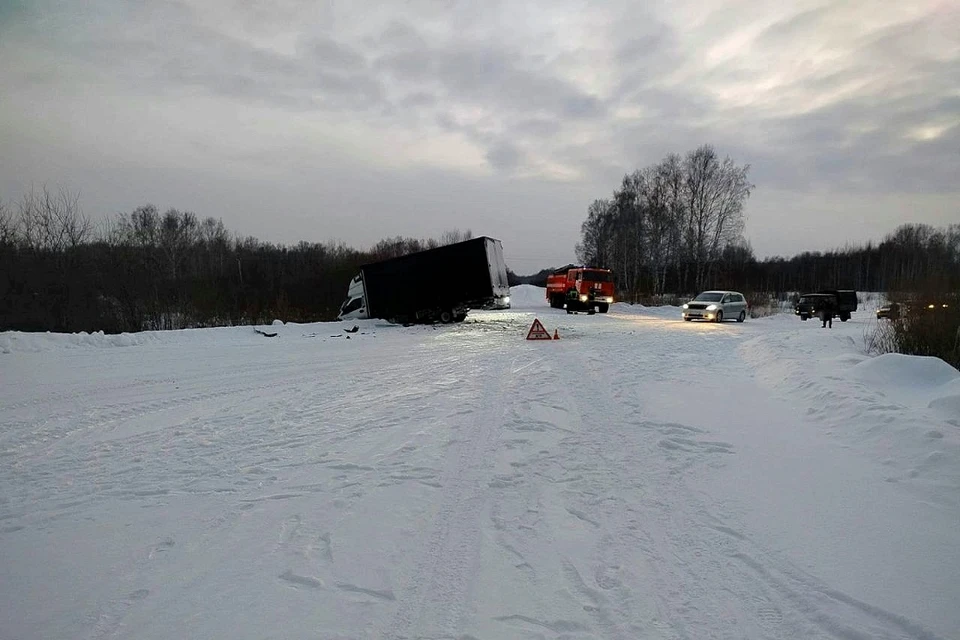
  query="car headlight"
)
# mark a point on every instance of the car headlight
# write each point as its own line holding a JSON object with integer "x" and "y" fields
{"x": 506, "y": 300}
{"x": 932, "y": 306}
{"x": 583, "y": 298}
{"x": 712, "y": 307}
{"x": 686, "y": 306}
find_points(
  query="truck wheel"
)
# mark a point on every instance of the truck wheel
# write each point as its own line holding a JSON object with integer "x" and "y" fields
{"x": 446, "y": 316}
{"x": 719, "y": 316}
{"x": 603, "y": 308}
{"x": 844, "y": 317}
{"x": 460, "y": 317}
{"x": 742, "y": 316}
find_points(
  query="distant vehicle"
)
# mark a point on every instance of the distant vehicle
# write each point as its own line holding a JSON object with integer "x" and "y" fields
{"x": 580, "y": 289}
{"x": 839, "y": 302}
{"x": 894, "y": 310}
{"x": 716, "y": 306}
{"x": 890, "y": 311}
{"x": 811, "y": 304}
{"x": 846, "y": 302}
{"x": 439, "y": 284}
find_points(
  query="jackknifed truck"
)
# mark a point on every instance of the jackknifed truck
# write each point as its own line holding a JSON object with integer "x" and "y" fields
{"x": 436, "y": 285}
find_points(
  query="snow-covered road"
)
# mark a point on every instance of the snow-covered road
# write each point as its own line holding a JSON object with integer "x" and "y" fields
{"x": 641, "y": 477}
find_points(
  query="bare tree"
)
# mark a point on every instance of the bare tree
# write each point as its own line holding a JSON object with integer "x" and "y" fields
{"x": 716, "y": 192}
{"x": 8, "y": 227}
{"x": 668, "y": 218}
{"x": 454, "y": 236}
{"x": 671, "y": 172}
{"x": 144, "y": 226}
{"x": 595, "y": 232}
{"x": 53, "y": 222}
{"x": 215, "y": 238}
{"x": 178, "y": 232}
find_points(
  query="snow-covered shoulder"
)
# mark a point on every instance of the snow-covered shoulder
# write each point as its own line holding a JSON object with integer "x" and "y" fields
{"x": 902, "y": 410}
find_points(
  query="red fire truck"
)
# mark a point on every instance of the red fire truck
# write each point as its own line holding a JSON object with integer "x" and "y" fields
{"x": 580, "y": 289}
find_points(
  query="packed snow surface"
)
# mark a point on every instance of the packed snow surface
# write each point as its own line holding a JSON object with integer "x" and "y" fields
{"x": 641, "y": 477}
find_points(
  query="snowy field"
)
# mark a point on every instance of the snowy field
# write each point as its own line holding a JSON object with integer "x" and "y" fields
{"x": 641, "y": 477}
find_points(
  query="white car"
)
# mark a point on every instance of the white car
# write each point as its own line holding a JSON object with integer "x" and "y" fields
{"x": 716, "y": 306}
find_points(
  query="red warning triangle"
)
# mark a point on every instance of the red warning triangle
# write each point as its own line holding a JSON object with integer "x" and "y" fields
{"x": 537, "y": 332}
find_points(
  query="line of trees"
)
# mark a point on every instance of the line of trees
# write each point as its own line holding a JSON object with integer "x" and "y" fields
{"x": 670, "y": 225}
{"x": 677, "y": 227}
{"x": 914, "y": 258}
{"x": 152, "y": 270}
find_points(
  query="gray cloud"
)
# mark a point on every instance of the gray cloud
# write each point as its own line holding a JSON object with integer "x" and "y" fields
{"x": 795, "y": 26}
{"x": 399, "y": 36}
{"x": 489, "y": 76}
{"x": 504, "y": 156}
{"x": 329, "y": 54}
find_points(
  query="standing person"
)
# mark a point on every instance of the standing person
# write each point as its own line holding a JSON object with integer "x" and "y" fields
{"x": 826, "y": 314}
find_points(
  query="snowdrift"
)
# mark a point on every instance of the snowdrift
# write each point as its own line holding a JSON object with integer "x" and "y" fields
{"x": 18, "y": 341}
{"x": 525, "y": 296}
{"x": 26, "y": 342}
{"x": 915, "y": 381}
{"x": 898, "y": 371}
{"x": 903, "y": 409}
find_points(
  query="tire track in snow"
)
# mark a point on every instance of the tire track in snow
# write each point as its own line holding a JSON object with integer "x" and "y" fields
{"x": 432, "y": 601}
{"x": 180, "y": 446}
{"x": 577, "y": 495}
{"x": 607, "y": 492}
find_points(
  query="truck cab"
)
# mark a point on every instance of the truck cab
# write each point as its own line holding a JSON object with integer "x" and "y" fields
{"x": 354, "y": 307}
{"x": 581, "y": 289}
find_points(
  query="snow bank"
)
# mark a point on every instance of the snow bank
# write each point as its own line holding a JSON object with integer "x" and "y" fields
{"x": 668, "y": 311}
{"x": 524, "y": 296}
{"x": 18, "y": 341}
{"x": 27, "y": 342}
{"x": 948, "y": 406}
{"x": 626, "y": 307}
{"x": 901, "y": 410}
{"x": 895, "y": 370}
{"x": 915, "y": 381}
{"x": 947, "y": 401}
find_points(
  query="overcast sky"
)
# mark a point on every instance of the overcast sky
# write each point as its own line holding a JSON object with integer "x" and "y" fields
{"x": 310, "y": 120}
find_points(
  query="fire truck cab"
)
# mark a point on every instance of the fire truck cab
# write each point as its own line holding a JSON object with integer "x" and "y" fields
{"x": 580, "y": 289}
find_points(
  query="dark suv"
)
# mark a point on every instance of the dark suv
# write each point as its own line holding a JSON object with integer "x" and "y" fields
{"x": 840, "y": 302}
{"x": 846, "y": 302}
{"x": 811, "y": 304}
